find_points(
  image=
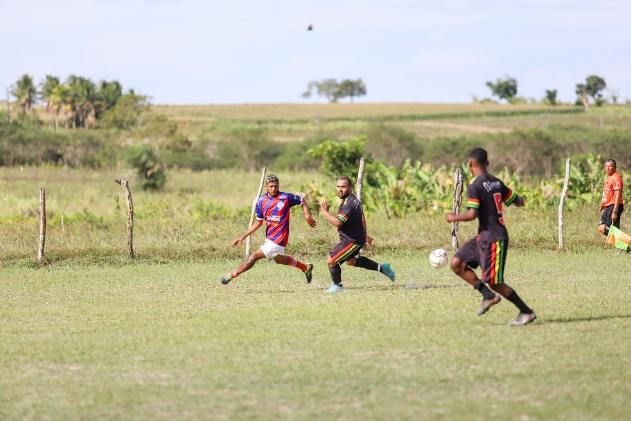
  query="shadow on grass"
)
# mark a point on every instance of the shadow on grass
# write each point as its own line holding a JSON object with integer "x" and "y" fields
{"x": 582, "y": 319}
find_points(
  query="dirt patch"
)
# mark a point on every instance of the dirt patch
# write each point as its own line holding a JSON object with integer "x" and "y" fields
{"x": 464, "y": 127}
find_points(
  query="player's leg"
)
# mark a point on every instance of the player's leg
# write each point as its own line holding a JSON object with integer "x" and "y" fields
{"x": 493, "y": 273}
{"x": 462, "y": 264}
{"x": 306, "y": 268}
{"x": 337, "y": 255}
{"x": 246, "y": 265}
{"x": 368, "y": 264}
{"x": 605, "y": 220}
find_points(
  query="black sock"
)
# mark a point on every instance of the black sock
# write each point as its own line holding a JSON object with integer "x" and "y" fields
{"x": 485, "y": 291}
{"x": 363, "y": 262}
{"x": 514, "y": 298}
{"x": 336, "y": 274}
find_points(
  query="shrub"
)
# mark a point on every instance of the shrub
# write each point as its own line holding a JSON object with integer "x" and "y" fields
{"x": 144, "y": 160}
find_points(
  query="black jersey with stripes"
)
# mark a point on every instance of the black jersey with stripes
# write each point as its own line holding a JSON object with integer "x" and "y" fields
{"x": 486, "y": 193}
{"x": 351, "y": 213}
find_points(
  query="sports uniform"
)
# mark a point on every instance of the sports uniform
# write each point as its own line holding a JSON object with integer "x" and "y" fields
{"x": 488, "y": 249}
{"x": 352, "y": 232}
{"x": 613, "y": 183}
{"x": 275, "y": 212}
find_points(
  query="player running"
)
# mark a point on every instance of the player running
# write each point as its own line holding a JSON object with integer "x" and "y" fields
{"x": 273, "y": 208}
{"x": 485, "y": 195}
{"x": 351, "y": 226}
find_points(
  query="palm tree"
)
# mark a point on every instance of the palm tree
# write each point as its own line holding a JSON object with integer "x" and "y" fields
{"x": 84, "y": 98}
{"x": 109, "y": 93}
{"x": 59, "y": 99}
{"x": 48, "y": 86}
{"x": 25, "y": 93}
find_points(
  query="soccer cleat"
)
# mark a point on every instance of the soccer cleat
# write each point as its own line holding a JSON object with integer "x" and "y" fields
{"x": 309, "y": 272}
{"x": 386, "y": 270}
{"x": 487, "y": 304}
{"x": 335, "y": 288}
{"x": 523, "y": 319}
{"x": 225, "y": 281}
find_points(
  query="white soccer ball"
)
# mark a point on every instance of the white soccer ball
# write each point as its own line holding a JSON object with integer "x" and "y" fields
{"x": 438, "y": 258}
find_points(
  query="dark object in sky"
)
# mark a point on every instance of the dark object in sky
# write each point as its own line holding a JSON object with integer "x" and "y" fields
{"x": 310, "y": 28}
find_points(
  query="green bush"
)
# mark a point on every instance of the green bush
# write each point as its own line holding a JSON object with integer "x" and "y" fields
{"x": 145, "y": 161}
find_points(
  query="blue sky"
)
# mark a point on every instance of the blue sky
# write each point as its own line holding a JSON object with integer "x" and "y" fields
{"x": 246, "y": 51}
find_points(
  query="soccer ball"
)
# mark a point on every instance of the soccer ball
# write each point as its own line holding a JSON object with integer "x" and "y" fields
{"x": 438, "y": 258}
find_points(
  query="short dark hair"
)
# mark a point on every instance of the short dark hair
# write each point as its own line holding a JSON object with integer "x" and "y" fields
{"x": 612, "y": 161}
{"x": 271, "y": 179}
{"x": 348, "y": 180}
{"x": 479, "y": 155}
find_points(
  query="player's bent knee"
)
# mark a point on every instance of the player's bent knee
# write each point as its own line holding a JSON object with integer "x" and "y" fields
{"x": 457, "y": 266}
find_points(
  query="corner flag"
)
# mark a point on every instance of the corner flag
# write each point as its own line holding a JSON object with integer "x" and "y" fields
{"x": 618, "y": 238}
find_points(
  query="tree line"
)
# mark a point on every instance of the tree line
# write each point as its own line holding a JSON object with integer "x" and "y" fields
{"x": 82, "y": 102}
{"x": 593, "y": 87}
{"x": 333, "y": 90}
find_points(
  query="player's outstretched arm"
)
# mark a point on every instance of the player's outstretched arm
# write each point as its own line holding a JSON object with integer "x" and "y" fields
{"x": 256, "y": 225}
{"x": 305, "y": 208}
{"x": 469, "y": 215}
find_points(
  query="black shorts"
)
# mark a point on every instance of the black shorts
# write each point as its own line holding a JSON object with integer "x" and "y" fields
{"x": 488, "y": 254}
{"x": 605, "y": 217}
{"x": 344, "y": 251}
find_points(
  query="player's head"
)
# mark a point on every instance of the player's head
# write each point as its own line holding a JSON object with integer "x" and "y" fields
{"x": 271, "y": 184}
{"x": 344, "y": 187}
{"x": 610, "y": 166}
{"x": 478, "y": 158}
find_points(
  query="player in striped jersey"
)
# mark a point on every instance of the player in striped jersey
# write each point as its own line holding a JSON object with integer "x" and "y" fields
{"x": 273, "y": 209}
{"x": 485, "y": 195}
{"x": 352, "y": 229}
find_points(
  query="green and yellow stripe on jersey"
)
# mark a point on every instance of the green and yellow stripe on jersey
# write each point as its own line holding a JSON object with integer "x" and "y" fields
{"x": 510, "y": 197}
{"x": 342, "y": 217}
{"x": 473, "y": 203}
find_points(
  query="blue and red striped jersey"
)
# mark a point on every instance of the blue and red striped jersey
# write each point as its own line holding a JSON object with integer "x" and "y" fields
{"x": 275, "y": 212}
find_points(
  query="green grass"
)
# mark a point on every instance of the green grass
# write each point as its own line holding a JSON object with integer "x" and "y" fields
{"x": 158, "y": 342}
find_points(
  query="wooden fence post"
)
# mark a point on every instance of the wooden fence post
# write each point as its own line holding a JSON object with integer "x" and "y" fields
{"x": 130, "y": 217}
{"x": 458, "y": 182}
{"x": 256, "y": 199}
{"x": 566, "y": 182}
{"x": 359, "y": 186}
{"x": 42, "y": 225}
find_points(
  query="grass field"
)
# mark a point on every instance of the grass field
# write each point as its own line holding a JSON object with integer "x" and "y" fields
{"x": 161, "y": 342}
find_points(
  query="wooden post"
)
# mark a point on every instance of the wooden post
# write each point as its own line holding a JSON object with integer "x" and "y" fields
{"x": 258, "y": 194}
{"x": 458, "y": 182}
{"x": 359, "y": 186}
{"x": 130, "y": 217}
{"x": 42, "y": 225}
{"x": 543, "y": 121}
{"x": 566, "y": 182}
{"x": 63, "y": 225}
{"x": 602, "y": 123}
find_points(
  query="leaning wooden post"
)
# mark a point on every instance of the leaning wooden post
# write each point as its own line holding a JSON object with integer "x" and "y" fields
{"x": 359, "y": 186}
{"x": 42, "y": 225}
{"x": 458, "y": 182}
{"x": 130, "y": 217}
{"x": 566, "y": 182}
{"x": 258, "y": 194}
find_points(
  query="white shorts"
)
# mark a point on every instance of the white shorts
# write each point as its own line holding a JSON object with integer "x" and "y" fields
{"x": 271, "y": 249}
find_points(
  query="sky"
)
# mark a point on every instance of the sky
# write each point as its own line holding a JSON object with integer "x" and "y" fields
{"x": 253, "y": 51}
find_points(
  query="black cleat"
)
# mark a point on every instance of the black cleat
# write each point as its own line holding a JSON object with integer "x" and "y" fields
{"x": 225, "y": 281}
{"x": 309, "y": 272}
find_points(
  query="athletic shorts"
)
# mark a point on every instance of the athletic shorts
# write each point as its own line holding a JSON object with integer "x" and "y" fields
{"x": 489, "y": 255}
{"x": 605, "y": 217}
{"x": 271, "y": 249}
{"x": 344, "y": 251}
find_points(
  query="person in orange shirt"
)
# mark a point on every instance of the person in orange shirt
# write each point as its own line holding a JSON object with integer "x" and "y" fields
{"x": 612, "y": 204}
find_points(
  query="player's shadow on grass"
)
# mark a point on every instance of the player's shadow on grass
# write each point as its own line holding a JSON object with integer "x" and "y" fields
{"x": 386, "y": 287}
{"x": 582, "y": 319}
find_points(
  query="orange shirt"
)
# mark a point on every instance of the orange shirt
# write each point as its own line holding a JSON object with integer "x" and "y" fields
{"x": 613, "y": 183}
